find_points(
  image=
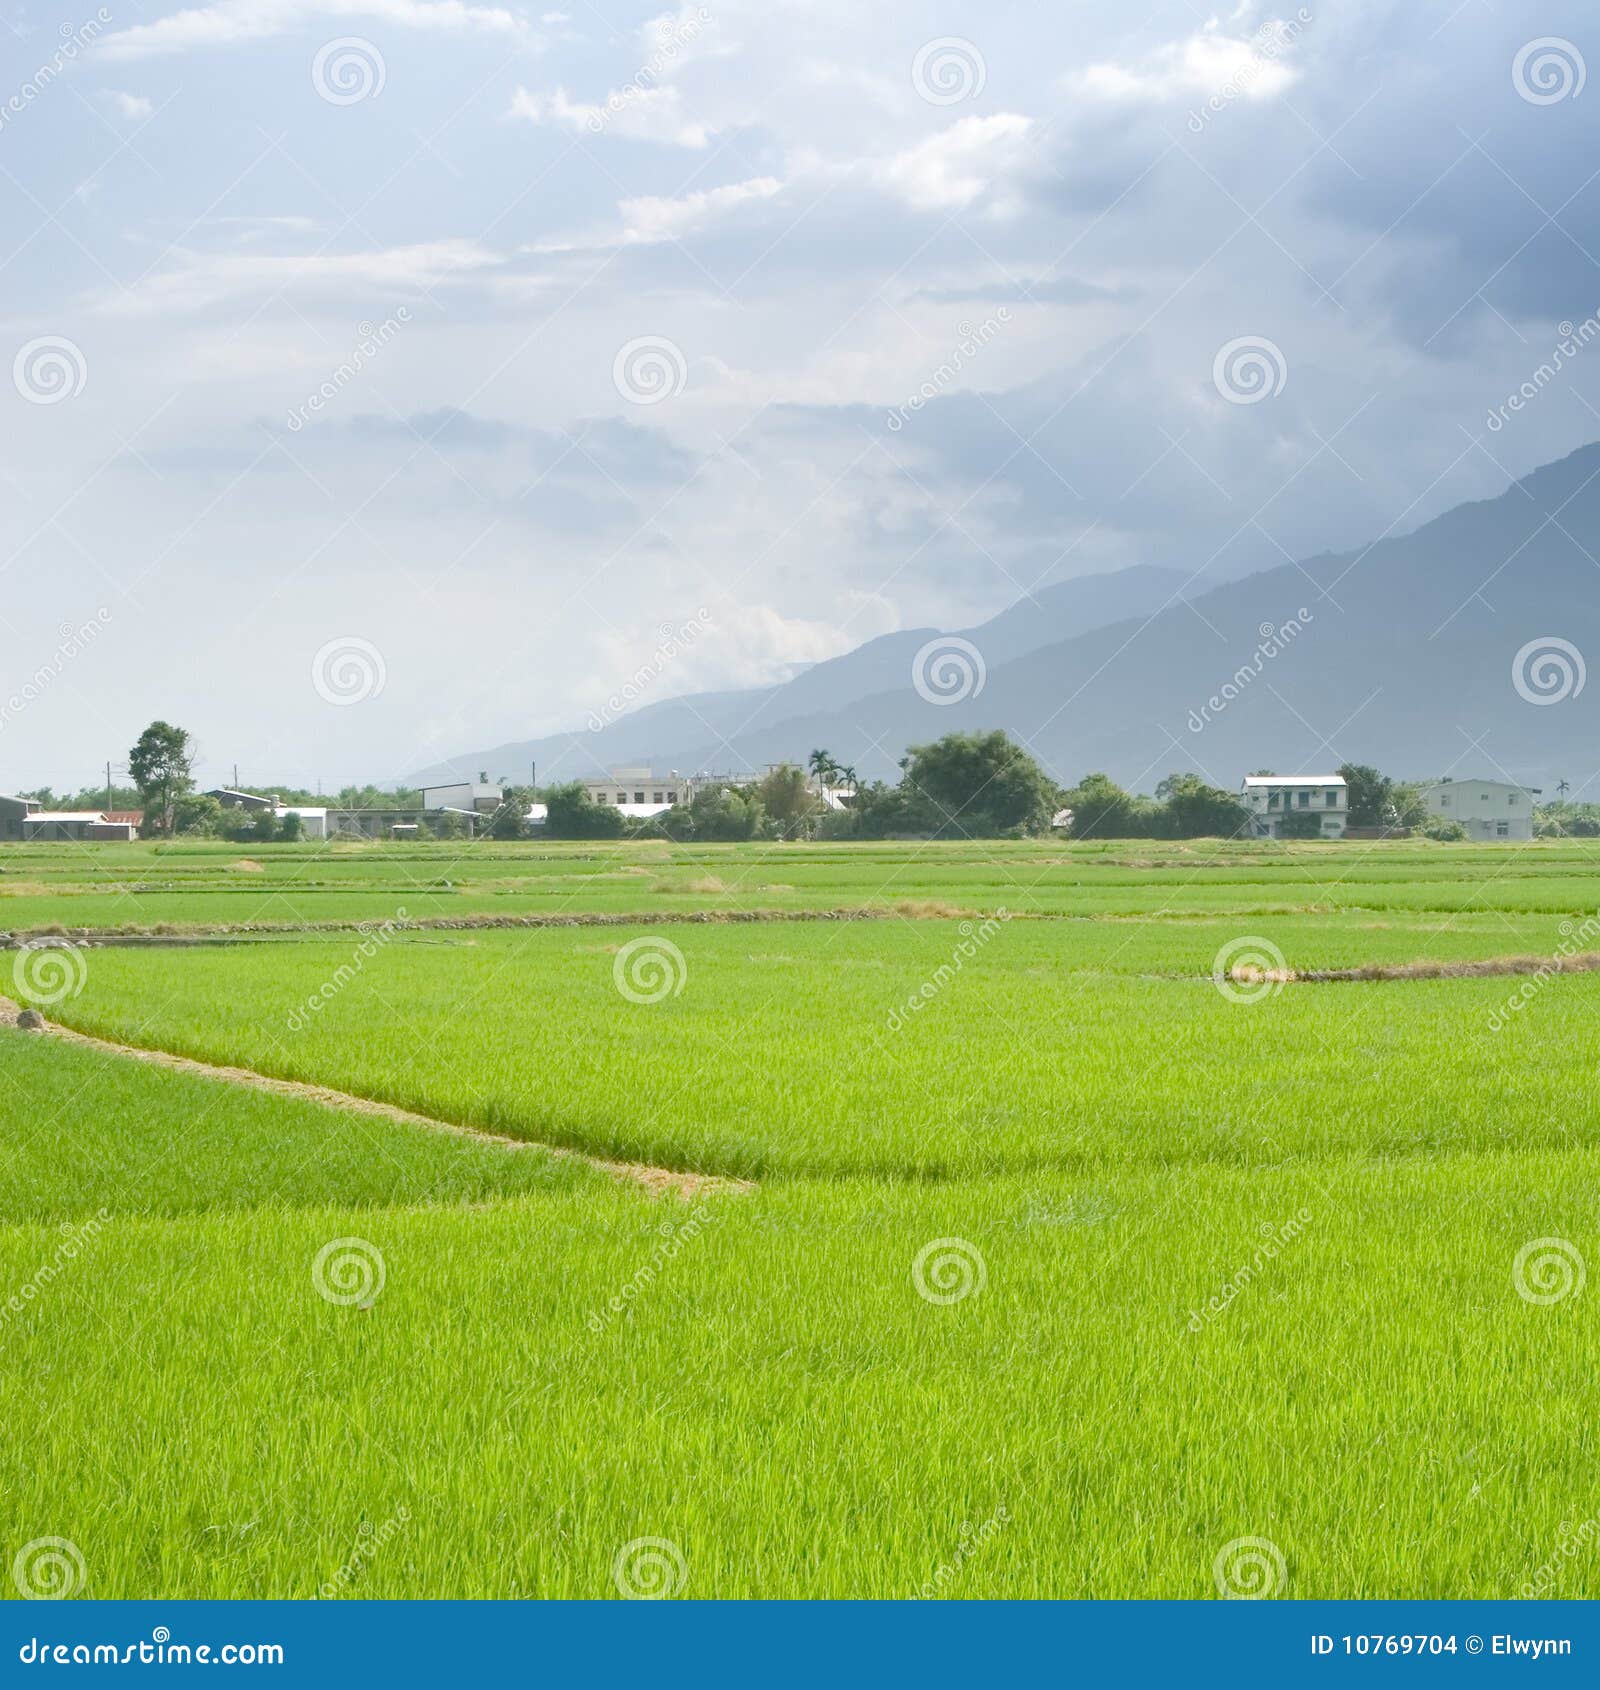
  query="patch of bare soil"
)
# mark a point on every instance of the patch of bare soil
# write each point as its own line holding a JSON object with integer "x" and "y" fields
{"x": 1583, "y": 962}
{"x": 657, "y": 1181}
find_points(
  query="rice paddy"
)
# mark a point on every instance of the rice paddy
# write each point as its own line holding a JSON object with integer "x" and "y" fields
{"x": 1069, "y": 1258}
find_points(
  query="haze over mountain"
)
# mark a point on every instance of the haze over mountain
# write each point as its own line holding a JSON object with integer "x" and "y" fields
{"x": 1457, "y": 649}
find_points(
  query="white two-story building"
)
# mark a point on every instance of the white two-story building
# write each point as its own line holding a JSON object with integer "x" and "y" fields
{"x": 1487, "y": 809}
{"x": 1272, "y": 798}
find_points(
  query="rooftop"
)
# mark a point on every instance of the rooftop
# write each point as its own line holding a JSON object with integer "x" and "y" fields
{"x": 1294, "y": 780}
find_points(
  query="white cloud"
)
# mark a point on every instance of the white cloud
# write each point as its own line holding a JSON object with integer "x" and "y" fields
{"x": 134, "y": 107}
{"x": 195, "y": 279}
{"x": 951, "y": 169}
{"x": 1202, "y": 63}
{"x": 641, "y": 114}
{"x": 664, "y": 219}
{"x": 228, "y": 22}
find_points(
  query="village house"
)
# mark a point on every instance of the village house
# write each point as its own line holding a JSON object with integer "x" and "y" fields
{"x": 1487, "y": 809}
{"x": 1271, "y": 799}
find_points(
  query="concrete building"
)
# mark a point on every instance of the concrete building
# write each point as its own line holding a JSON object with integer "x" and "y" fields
{"x": 12, "y": 813}
{"x": 1272, "y": 798}
{"x": 313, "y": 819}
{"x": 1487, "y": 809}
{"x": 479, "y": 797}
{"x": 637, "y": 792}
{"x": 75, "y": 824}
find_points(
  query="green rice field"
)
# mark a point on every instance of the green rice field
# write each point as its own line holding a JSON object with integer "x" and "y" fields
{"x": 1047, "y": 1249}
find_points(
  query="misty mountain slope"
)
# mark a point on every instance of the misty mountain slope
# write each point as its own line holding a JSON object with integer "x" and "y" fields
{"x": 1420, "y": 653}
{"x": 689, "y": 732}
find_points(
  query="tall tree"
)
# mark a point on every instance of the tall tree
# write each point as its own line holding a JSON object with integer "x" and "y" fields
{"x": 981, "y": 785}
{"x": 1368, "y": 794}
{"x": 161, "y": 766}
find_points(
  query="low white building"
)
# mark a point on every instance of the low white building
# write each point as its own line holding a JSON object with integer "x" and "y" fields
{"x": 478, "y": 797}
{"x": 1487, "y": 809}
{"x": 637, "y": 792}
{"x": 75, "y": 824}
{"x": 1272, "y": 798}
{"x": 313, "y": 819}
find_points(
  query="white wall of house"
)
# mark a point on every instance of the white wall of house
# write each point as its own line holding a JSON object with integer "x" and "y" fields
{"x": 1269, "y": 798}
{"x": 1487, "y": 809}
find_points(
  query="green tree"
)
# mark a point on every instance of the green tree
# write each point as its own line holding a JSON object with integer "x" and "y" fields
{"x": 1197, "y": 810}
{"x": 822, "y": 766}
{"x": 981, "y": 785}
{"x": 1103, "y": 810}
{"x": 1300, "y": 824}
{"x": 197, "y": 815}
{"x": 161, "y": 765}
{"x": 789, "y": 801}
{"x": 1369, "y": 796}
{"x": 570, "y": 813}
{"x": 510, "y": 821}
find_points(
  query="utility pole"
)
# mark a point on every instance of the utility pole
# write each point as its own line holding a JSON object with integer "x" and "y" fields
{"x": 108, "y": 787}
{"x": 235, "y": 777}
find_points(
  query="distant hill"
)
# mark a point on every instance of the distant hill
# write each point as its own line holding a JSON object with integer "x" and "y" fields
{"x": 689, "y": 732}
{"x": 1420, "y": 653}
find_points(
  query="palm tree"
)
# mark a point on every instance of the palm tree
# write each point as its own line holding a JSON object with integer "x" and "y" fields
{"x": 847, "y": 777}
{"x": 1563, "y": 787}
{"x": 822, "y": 765}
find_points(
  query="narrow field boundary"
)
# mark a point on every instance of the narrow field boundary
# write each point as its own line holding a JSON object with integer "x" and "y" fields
{"x": 1582, "y": 962}
{"x": 202, "y": 933}
{"x": 657, "y": 1181}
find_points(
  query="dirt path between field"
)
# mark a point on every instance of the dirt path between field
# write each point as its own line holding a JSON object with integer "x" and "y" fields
{"x": 1582, "y": 962}
{"x": 657, "y": 1181}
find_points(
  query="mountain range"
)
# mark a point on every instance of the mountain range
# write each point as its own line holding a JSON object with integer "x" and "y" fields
{"x": 1458, "y": 648}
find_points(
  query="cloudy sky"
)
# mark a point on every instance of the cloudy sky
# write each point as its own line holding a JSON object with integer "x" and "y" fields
{"x": 386, "y": 376}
